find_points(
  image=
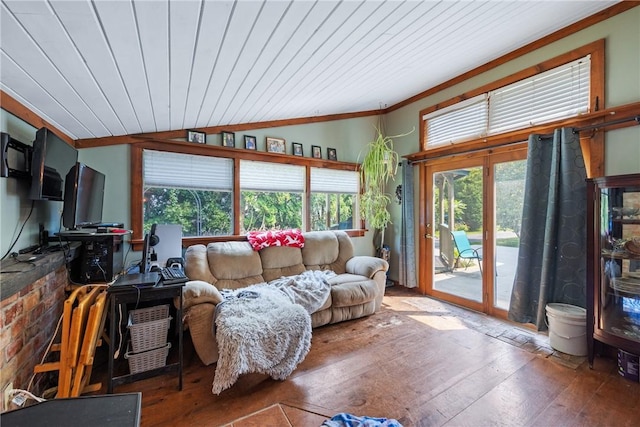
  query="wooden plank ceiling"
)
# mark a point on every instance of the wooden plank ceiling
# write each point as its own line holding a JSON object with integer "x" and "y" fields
{"x": 114, "y": 67}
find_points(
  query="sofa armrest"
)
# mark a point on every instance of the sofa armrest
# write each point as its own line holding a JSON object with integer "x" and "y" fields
{"x": 197, "y": 292}
{"x": 366, "y": 266}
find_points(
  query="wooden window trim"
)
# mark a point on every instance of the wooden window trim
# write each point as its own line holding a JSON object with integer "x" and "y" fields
{"x": 216, "y": 151}
{"x": 596, "y": 102}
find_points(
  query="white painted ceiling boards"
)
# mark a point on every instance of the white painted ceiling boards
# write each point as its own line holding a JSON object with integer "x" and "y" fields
{"x": 114, "y": 67}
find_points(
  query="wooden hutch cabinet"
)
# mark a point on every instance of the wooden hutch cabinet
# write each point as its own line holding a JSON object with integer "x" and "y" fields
{"x": 613, "y": 263}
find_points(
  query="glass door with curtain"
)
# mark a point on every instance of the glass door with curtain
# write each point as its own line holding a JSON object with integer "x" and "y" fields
{"x": 508, "y": 178}
{"x": 455, "y": 232}
{"x": 473, "y": 215}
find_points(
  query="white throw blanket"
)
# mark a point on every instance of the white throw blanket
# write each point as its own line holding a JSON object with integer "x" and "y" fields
{"x": 310, "y": 289}
{"x": 260, "y": 329}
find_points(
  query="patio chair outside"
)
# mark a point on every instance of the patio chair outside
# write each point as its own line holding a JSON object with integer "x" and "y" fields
{"x": 465, "y": 251}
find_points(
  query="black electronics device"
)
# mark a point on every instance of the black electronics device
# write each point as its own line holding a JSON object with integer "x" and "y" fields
{"x": 83, "y": 197}
{"x": 101, "y": 258}
{"x": 51, "y": 160}
{"x": 172, "y": 275}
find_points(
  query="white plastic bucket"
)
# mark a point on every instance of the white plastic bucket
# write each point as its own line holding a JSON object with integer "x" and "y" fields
{"x": 567, "y": 328}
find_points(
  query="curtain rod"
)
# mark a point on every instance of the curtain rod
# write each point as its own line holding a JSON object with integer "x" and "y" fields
{"x": 599, "y": 125}
{"x": 613, "y": 122}
{"x": 576, "y": 130}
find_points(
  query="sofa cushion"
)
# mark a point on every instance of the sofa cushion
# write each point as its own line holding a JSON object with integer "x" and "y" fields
{"x": 281, "y": 261}
{"x": 234, "y": 261}
{"x": 340, "y": 314}
{"x": 349, "y": 289}
{"x": 197, "y": 265}
{"x": 327, "y": 251}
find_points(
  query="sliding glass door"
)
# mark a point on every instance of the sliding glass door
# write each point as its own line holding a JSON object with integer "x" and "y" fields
{"x": 473, "y": 212}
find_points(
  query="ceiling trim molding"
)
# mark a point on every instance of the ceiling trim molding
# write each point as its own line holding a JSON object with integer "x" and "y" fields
{"x": 182, "y": 133}
{"x": 11, "y": 105}
{"x": 544, "y": 41}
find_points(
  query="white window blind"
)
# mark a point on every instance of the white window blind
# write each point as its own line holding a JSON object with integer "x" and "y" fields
{"x": 552, "y": 95}
{"x": 263, "y": 176}
{"x": 464, "y": 120}
{"x": 545, "y": 97}
{"x": 177, "y": 170}
{"x": 334, "y": 181}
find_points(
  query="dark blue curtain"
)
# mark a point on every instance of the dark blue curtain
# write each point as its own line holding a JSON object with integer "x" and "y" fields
{"x": 552, "y": 256}
{"x": 407, "y": 233}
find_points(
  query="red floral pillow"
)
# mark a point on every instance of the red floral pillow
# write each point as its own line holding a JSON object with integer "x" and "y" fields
{"x": 264, "y": 239}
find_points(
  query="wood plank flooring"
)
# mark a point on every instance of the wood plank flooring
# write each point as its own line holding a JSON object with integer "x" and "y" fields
{"x": 422, "y": 362}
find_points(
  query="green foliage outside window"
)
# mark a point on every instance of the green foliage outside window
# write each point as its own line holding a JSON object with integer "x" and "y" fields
{"x": 262, "y": 211}
{"x": 332, "y": 211}
{"x": 200, "y": 212}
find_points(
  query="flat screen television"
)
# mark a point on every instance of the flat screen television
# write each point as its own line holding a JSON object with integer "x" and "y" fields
{"x": 51, "y": 160}
{"x": 83, "y": 197}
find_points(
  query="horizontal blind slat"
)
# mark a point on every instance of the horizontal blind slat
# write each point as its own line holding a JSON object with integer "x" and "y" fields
{"x": 264, "y": 176}
{"x": 334, "y": 181}
{"x": 178, "y": 170}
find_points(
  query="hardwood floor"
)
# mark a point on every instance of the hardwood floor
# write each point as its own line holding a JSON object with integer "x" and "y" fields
{"x": 422, "y": 362}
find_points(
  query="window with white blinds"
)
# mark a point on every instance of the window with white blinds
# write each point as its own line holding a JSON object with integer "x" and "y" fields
{"x": 334, "y": 181}
{"x": 186, "y": 171}
{"x": 464, "y": 120}
{"x": 265, "y": 176}
{"x": 552, "y": 95}
{"x": 198, "y": 192}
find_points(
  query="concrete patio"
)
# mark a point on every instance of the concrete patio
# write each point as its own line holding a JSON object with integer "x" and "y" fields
{"x": 465, "y": 281}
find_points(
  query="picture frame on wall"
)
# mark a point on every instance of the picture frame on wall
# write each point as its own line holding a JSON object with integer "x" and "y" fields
{"x": 332, "y": 154}
{"x": 316, "y": 151}
{"x": 228, "y": 139}
{"x": 250, "y": 142}
{"x": 276, "y": 145}
{"x": 197, "y": 137}
{"x": 296, "y": 149}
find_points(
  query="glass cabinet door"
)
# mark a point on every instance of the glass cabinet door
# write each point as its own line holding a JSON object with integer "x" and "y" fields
{"x": 618, "y": 313}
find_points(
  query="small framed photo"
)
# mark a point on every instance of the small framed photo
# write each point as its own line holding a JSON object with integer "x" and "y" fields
{"x": 195, "y": 136}
{"x": 228, "y": 139}
{"x": 276, "y": 145}
{"x": 331, "y": 154}
{"x": 316, "y": 152}
{"x": 249, "y": 142}
{"x": 296, "y": 149}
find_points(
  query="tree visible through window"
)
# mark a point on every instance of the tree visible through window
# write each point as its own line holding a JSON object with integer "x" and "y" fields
{"x": 200, "y": 212}
{"x": 261, "y": 210}
{"x": 197, "y": 192}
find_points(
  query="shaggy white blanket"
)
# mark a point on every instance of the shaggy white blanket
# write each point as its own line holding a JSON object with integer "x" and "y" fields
{"x": 260, "y": 329}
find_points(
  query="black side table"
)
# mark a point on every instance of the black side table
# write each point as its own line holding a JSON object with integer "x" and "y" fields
{"x": 130, "y": 294}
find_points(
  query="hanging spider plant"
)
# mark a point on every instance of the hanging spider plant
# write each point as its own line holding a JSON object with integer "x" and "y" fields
{"x": 378, "y": 166}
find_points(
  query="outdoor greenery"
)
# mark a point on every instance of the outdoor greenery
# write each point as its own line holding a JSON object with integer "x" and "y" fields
{"x": 509, "y": 183}
{"x": 270, "y": 211}
{"x": 201, "y": 213}
{"x": 209, "y": 213}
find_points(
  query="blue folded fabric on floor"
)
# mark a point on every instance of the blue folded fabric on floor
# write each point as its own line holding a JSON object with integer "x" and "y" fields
{"x": 349, "y": 420}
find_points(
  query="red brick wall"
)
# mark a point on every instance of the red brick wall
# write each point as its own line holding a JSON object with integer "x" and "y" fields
{"x": 28, "y": 321}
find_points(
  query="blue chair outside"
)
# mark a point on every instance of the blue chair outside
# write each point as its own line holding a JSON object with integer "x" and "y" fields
{"x": 465, "y": 251}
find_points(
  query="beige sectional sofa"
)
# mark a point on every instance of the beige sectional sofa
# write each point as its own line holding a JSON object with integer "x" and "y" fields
{"x": 356, "y": 290}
